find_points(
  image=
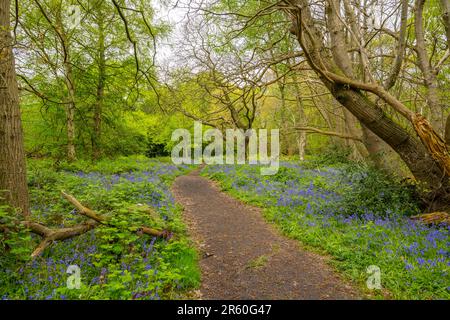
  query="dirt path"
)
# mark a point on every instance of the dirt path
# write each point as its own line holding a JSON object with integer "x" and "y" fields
{"x": 246, "y": 258}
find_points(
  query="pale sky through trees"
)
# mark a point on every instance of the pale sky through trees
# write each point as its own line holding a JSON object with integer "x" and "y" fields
{"x": 175, "y": 17}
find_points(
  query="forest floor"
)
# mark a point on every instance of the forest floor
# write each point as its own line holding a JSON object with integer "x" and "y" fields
{"x": 243, "y": 257}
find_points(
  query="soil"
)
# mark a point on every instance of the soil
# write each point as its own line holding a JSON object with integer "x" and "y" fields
{"x": 244, "y": 257}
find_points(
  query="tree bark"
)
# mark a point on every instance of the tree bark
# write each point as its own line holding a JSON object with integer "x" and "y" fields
{"x": 445, "y": 7}
{"x": 343, "y": 61}
{"x": 429, "y": 75}
{"x": 13, "y": 181}
{"x": 410, "y": 149}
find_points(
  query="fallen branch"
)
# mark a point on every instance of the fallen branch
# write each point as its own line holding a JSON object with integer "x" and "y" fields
{"x": 50, "y": 235}
{"x": 328, "y": 133}
{"x": 103, "y": 220}
{"x": 82, "y": 209}
{"x": 433, "y": 218}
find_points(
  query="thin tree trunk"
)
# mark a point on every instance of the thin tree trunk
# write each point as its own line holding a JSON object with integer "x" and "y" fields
{"x": 70, "y": 84}
{"x": 13, "y": 182}
{"x": 70, "y": 118}
{"x": 283, "y": 122}
{"x": 98, "y": 107}
{"x": 429, "y": 76}
{"x": 302, "y": 135}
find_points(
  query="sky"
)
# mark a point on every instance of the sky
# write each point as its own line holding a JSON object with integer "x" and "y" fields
{"x": 173, "y": 15}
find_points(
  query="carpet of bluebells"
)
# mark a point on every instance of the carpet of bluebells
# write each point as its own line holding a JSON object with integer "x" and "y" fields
{"x": 355, "y": 214}
{"x": 115, "y": 262}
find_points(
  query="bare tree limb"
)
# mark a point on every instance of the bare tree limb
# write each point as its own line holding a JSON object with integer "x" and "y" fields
{"x": 50, "y": 235}
{"x": 328, "y": 133}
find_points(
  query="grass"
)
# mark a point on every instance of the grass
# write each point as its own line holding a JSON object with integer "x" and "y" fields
{"x": 258, "y": 262}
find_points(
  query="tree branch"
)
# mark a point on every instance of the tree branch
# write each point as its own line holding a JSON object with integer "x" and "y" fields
{"x": 328, "y": 133}
{"x": 50, "y": 235}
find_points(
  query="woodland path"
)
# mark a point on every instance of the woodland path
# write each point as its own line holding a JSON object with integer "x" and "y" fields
{"x": 243, "y": 257}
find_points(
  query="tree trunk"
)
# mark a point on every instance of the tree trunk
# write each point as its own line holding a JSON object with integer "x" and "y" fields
{"x": 445, "y": 7}
{"x": 302, "y": 137}
{"x": 70, "y": 84}
{"x": 379, "y": 152}
{"x": 411, "y": 150}
{"x": 359, "y": 150}
{"x": 98, "y": 106}
{"x": 13, "y": 181}
{"x": 70, "y": 118}
{"x": 429, "y": 75}
{"x": 283, "y": 120}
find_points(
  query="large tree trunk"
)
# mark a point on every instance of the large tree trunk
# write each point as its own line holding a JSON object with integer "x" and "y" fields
{"x": 13, "y": 183}
{"x": 359, "y": 150}
{"x": 410, "y": 149}
{"x": 379, "y": 152}
{"x": 414, "y": 152}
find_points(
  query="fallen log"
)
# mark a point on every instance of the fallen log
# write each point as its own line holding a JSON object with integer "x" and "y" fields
{"x": 433, "y": 218}
{"x": 103, "y": 220}
{"x": 50, "y": 235}
{"x": 82, "y": 209}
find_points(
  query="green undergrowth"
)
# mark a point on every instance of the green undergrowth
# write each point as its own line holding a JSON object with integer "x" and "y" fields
{"x": 356, "y": 215}
{"x": 113, "y": 261}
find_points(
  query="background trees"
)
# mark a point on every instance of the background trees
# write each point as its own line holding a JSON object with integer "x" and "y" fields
{"x": 384, "y": 62}
{"x": 369, "y": 77}
{"x": 86, "y": 77}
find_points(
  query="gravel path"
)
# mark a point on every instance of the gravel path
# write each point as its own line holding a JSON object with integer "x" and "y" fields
{"x": 243, "y": 257}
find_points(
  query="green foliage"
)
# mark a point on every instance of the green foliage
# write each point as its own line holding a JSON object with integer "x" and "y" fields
{"x": 331, "y": 155}
{"x": 373, "y": 189}
{"x": 126, "y": 98}
{"x": 355, "y": 214}
{"x": 15, "y": 239}
{"x": 116, "y": 262}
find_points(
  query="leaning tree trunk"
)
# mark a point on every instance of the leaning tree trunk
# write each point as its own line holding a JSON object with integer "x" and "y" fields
{"x": 13, "y": 183}
{"x": 425, "y": 157}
